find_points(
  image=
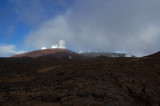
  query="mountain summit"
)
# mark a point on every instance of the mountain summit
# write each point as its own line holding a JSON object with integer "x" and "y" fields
{"x": 57, "y": 53}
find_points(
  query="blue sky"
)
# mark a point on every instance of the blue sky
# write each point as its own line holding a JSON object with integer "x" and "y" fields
{"x": 96, "y": 25}
{"x": 15, "y": 24}
{"x": 13, "y": 27}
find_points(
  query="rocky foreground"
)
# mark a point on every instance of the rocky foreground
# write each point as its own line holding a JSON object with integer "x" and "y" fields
{"x": 99, "y": 81}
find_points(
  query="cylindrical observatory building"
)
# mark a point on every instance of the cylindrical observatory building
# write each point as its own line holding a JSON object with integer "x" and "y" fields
{"x": 62, "y": 44}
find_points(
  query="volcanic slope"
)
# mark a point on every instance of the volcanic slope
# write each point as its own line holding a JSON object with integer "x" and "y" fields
{"x": 56, "y": 53}
{"x": 96, "y": 81}
{"x": 155, "y": 55}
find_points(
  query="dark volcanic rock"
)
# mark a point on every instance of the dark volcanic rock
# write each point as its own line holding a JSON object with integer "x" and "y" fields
{"x": 97, "y": 81}
{"x": 59, "y": 73}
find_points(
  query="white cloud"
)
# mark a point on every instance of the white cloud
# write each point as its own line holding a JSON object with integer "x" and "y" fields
{"x": 8, "y": 50}
{"x": 50, "y": 33}
{"x": 104, "y": 25}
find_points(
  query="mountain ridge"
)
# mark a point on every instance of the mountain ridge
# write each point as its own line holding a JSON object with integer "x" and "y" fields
{"x": 57, "y": 53}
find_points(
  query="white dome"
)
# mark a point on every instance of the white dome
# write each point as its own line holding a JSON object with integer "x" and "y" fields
{"x": 43, "y": 48}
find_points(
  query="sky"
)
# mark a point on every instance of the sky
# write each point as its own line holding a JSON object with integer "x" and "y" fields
{"x": 125, "y": 26}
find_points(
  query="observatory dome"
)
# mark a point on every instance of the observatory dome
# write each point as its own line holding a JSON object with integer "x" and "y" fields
{"x": 43, "y": 48}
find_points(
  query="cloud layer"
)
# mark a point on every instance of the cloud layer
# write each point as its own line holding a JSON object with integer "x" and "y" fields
{"x": 104, "y": 25}
{"x": 8, "y": 50}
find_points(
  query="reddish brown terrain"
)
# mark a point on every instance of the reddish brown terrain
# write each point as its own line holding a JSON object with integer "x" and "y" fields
{"x": 46, "y": 80}
{"x": 57, "y": 53}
